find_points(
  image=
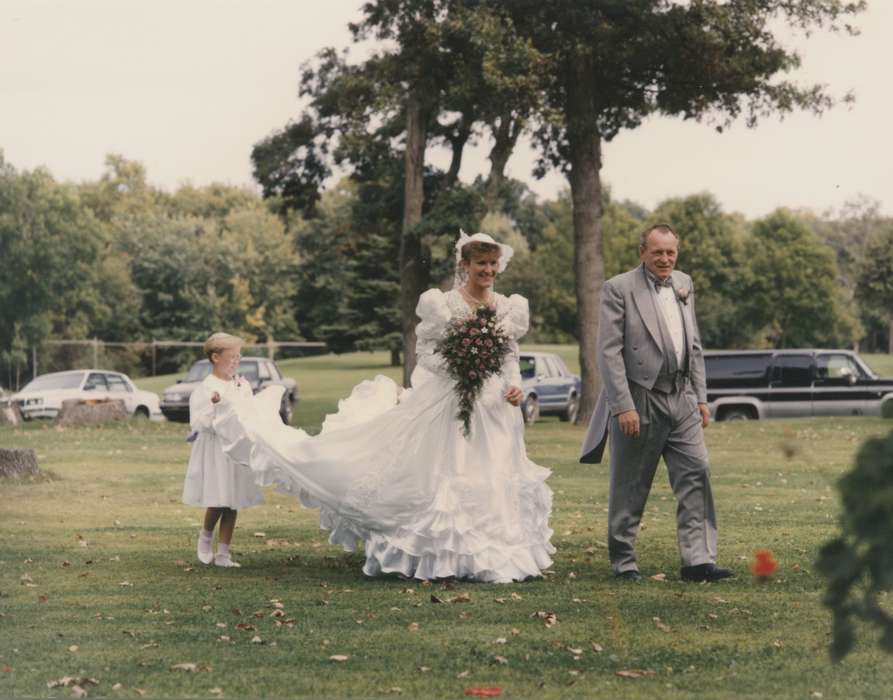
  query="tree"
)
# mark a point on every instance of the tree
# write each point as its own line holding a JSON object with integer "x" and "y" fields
{"x": 789, "y": 290}
{"x": 613, "y": 63}
{"x": 874, "y": 278}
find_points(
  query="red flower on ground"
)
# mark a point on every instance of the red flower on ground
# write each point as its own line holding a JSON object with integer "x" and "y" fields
{"x": 484, "y": 692}
{"x": 763, "y": 564}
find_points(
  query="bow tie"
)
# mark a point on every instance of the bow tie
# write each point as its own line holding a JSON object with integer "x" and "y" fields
{"x": 658, "y": 284}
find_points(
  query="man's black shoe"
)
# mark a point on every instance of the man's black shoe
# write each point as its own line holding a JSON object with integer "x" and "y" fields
{"x": 631, "y": 575}
{"x": 705, "y": 572}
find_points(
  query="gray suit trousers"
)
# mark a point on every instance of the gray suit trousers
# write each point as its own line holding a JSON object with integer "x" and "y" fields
{"x": 670, "y": 428}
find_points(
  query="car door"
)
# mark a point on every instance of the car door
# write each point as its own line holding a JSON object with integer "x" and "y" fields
{"x": 119, "y": 389}
{"x": 550, "y": 387}
{"x": 790, "y": 387}
{"x": 839, "y": 388}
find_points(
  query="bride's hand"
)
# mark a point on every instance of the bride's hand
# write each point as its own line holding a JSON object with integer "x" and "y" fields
{"x": 514, "y": 396}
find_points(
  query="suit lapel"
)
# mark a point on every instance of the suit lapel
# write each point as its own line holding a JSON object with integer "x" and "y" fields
{"x": 686, "y": 315}
{"x": 645, "y": 305}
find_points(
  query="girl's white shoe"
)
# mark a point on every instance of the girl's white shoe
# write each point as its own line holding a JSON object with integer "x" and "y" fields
{"x": 226, "y": 561}
{"x": 204, "y": 551}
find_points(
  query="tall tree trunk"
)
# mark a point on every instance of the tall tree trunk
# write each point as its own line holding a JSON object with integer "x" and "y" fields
{"x": 890, "y": 336}
{"x": 586, "y": 190}
{"x": 413, "y": 272}
{"x": 505, "y": 137}
{"x": 457, "y": 144}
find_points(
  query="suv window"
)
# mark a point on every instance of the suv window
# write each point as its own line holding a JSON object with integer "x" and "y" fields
{"x": 528, "y": 367}
{"x": 837, "y": 367}
{"x": 274, "y": 371}
{"x": 730, "y": 371}
{"x": 792, "y": 370}
{"x": 549, "y": 365}
{"x": 116, "y": 383}
{"x": 263, "y": 370}
{"x": 560, "y": 368}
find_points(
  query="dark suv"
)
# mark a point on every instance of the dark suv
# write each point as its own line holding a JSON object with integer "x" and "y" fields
{"x": 259, "y": 372}
{"x": 752, "y": 384}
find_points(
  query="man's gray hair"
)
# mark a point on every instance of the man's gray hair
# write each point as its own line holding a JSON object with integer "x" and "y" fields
{"x": 660, "y": 228}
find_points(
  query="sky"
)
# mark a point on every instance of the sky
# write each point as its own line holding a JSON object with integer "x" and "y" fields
{"x": 188, "y": 86}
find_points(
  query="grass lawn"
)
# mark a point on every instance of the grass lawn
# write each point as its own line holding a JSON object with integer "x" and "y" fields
{"x": 98, "y": 580}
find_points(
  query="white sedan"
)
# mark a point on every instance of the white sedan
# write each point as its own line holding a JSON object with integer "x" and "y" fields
{"x": 42, "y": 397}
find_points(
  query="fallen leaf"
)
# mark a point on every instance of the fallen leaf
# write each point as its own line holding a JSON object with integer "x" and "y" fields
{"x": 597, "y": 648}
{"x": 117, "y": 686}
{"x": 413, "y": 627}
{"x": 549, "y": 618}
{"x": 634, "y": 673}
{"x": 660, "y": 625}
{"x": 461, "y": 598}
{"x": 260, "y": 534}
{"x": 659, "y": 577}
{"x": 215, "y": 691}
{"x": 188, "y": 667}
{"x": 257, "y": 640}
{"x": 424, "y": 669}
{"x": 338, "y": 658}
{"x": 575, "y": 651}
{"x": 464, "y": 674}
{"x": 78, "y": 692}
{"x": 501, "y": 660}
{"x": 435, "y": 599}
{"x": 491, "y": 692}
{"x": 73, "y": 648}
{"x": 246, "y": 627}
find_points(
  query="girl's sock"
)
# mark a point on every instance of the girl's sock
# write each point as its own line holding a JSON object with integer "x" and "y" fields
{"x": 223, "y": 549}
{"x": 206, "y": 536}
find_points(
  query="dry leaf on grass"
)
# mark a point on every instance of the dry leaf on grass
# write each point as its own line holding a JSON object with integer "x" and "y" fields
{"x": 490, "y": 692}
{"x": 188, "y": 667}
{"x": 549, "y": 618}
{"x": 634, "y": 673}
{"x": 660, "y": 625}
{"x": 659, "y": 577}
{"x": 338, "y": 658}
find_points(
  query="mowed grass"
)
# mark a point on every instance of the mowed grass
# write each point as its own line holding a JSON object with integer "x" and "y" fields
{"x": 98, "y": 580}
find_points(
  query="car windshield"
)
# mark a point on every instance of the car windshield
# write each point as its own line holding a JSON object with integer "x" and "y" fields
{"x": 201, "y": 369}
{"x": 528, "y": 367}
{"x": 55, "y": 381}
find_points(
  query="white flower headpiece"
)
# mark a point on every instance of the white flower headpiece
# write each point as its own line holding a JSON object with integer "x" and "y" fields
{"x": 505, "y": 255}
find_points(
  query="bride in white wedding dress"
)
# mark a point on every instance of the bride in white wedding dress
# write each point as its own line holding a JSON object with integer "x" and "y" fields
{"x": 392, "y": 467}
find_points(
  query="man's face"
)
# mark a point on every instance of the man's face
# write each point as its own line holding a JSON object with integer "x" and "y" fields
{"x": 659, "y": 254}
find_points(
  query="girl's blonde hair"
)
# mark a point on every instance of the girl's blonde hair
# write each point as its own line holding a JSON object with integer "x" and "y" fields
{"x": 218, "y": 342}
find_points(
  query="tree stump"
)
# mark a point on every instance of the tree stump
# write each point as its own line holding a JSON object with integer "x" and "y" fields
{"x": 79, "y": 412}
{"x": 16, "y": 464}
{"x": 10, "y": 414}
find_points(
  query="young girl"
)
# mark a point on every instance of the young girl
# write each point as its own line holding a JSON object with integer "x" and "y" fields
{"x": 213, "y": 480}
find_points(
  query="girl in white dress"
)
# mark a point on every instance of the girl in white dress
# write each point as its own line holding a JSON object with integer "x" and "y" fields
{"x": 393, "y": 469}
{"x": 213, "y": 480}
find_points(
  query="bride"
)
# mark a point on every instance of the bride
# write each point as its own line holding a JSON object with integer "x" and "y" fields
{"x": 392, "y": 467}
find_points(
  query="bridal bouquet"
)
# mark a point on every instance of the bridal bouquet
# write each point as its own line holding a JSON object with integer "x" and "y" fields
{"x": 473, "y": 348}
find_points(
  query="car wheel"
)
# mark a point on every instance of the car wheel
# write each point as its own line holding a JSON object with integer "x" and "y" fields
{"x": 569, "y": 415}
{"x": 531, "y": 409}
{"x": 141, "y": 412}
{"x": 737, "y": 414}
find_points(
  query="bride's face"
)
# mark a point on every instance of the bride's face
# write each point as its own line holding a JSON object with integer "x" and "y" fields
{"x": 482, "y": 269}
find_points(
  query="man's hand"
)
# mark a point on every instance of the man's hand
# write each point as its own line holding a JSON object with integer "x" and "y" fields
{"x": 629, "y": 423}
{"x": 705, "y": 414}
{"x": 514, "y": 396}
{"x": 215, "y": 397}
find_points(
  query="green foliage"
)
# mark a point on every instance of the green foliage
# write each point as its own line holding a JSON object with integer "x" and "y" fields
{"x": 789, "y": 286}
{"x": 859, "y": 563}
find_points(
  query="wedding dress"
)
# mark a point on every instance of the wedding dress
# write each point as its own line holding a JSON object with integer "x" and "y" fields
{"x": 392, "y": 468}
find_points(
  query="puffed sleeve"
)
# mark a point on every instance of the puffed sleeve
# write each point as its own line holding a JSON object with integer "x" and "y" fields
{"x": 201, "y": 410}
{"x": 515, "y": 323}
{"x": 434, "y": 313}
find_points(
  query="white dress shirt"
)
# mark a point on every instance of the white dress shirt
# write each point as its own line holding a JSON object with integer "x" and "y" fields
{"x": 669, "y": 307}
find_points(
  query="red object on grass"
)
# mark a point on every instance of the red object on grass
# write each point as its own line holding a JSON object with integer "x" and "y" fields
{"x": 763, "y": 564}
{"x": 483, "y": 692}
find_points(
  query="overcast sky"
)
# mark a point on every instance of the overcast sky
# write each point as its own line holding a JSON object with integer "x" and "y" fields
{"x": 188, "y": 86}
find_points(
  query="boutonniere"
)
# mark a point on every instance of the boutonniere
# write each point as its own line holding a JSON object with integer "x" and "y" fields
{"x": 682, "y": 294}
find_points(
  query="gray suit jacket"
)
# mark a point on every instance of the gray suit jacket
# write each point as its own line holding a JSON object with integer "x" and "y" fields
{"x": 630, "y": 350}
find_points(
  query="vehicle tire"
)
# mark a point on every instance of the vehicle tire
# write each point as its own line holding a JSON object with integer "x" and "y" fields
{"x": 887, "y": 409}
{"x": 569, "y": 415}
{"x": 531, "y": 410}
{"x": 141, "y": 412}
{"x": 736, "y": 413}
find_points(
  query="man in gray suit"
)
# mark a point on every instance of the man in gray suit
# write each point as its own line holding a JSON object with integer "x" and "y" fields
{"x": 653, "y": 404}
